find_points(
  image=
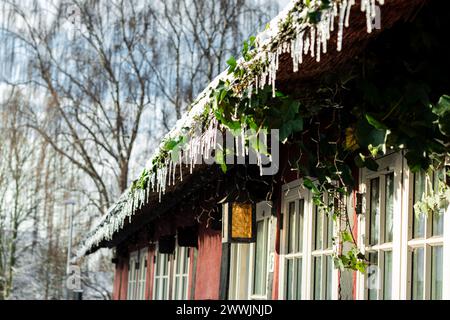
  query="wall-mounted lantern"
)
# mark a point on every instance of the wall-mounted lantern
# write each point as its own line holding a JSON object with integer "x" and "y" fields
{"x": 238, "y": 222}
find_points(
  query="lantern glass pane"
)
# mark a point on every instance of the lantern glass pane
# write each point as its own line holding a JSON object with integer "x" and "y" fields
{"x": 241, "y": 220}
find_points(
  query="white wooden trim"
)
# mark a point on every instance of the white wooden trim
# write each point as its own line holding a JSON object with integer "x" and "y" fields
{"x": 391, "y": 163}
{"x": 295, "y": 191}
{"x": 446, "y": 256}
{"x": 175, "y": 262}
{"x": 402, "y": 262}
{"x": 402, "y": 242}
{"x": 269, "y": 236}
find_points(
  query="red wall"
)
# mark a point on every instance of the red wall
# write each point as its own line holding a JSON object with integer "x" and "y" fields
{"x": 207, "y": 278}
{"x": 117, "y": 281}
{"x": 120, "y": 280}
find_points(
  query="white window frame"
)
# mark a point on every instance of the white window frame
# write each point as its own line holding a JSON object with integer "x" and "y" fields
{"x": 294, "y": 191}
{"x": 132, "y": 276}
{"x": 402, "y": 241}
{"x": 427, "y": 243}
{"x": 388, "y": 164}
{"x": 178, "y": 264}
{"x": 239, "y": 271}
{"x": 324, "y": 253}
{"x": 159, "y": 278}
{"x": 142, "y": 275}
{"x": 263, "y": 213}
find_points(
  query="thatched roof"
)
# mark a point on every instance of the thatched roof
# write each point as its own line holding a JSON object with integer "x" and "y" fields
{"x": 167, "y": 179}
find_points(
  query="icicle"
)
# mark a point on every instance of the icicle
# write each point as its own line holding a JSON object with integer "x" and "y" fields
{"x": 318, "y": 42}
{"x": 334, "y": 13}
{"x": 373, "y": 9}
{"x": 347, "y": 14}
{"x": 181, "y": 172}
{"x": 367, "y": 6}
{"x": 174, "y": 171}
{"x": 343, "y": 9}
{"x": 306, "y": 46}
{"x": 170, "y": 171}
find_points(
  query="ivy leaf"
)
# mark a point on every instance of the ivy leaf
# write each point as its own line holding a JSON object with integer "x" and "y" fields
{"x": 171, "y": 144}
{"x": 350, "y": 140}
{"x": 367, "y": 135}
{"x": 360, "y": 266}
{"x": 220, "y": 159}
{"x": 442, "y": 107}
{"x": 417, "y": 161}
{"x": 297, "y": 125}
{"x": 375, "y": 123}
{"x": 308, "y": 184}
{"x": 361, "y": 161}
{"x": 442, "y": 110}
{"x": 371, "y": 164}
{"x": 285, "y": 131}
{"x": 346, "y": 236}
{"x": 338, "y": 264}
{"x": 444, "y": 124}
{"x": 232, "y": 64}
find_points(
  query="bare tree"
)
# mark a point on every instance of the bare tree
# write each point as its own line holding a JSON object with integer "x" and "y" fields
{"x": 16, "y": 138}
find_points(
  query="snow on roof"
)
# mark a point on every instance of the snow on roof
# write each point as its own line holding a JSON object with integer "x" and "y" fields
{"x": 307, "y": 38}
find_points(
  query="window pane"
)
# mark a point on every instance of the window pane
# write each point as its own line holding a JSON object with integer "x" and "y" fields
{"x": 291, "y": 231}
{"x": 329, "y": 280}
{"x": 389, "y": 207}
{"x": 186, "y": 261}
{"x": 260, "y": 258}
{"x": 374, "y": 211}
{"x": 387, "y": 281}
{"x": 178, "y": 257}
{"x": 318, "y": 230}
{"x": 165, "y": 288}
{"x": 438, "y": 216}
{"x": 330, "y": 230}
{"x": 184, "y": 288}
{"x": 293, "y": 278}
{"x": 372, "y": 281}
{"x": 419, "y": 218}
{"x": 157, "y": 267}
{"x": 437, "y": 264}
{"x": 157, "y": 297}
{"x": 176, "y": 287}
{"x": 317, "y": 278}
{"x": 438, "y": 223}
{"x": 299, "y": 232}
{"x": 165, "y": 259}
{"x": 290, "y": 294}
{"x": 299, "y": 278}
{"x": 417, "y": 274}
